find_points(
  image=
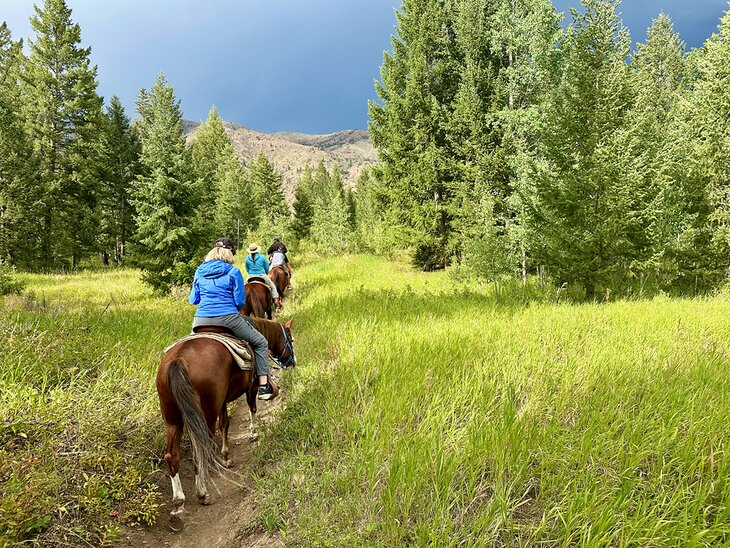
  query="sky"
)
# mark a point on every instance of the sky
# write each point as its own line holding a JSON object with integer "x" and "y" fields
{"x": 276, "y": 65}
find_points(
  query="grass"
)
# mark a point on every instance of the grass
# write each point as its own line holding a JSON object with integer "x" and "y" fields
{"x": 425, "y": 413}
{"x": 79, "y": 419}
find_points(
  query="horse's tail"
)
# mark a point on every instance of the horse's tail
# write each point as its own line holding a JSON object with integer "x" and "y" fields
{"x": 188, "y": 401}
{"x": 258, "y": 308}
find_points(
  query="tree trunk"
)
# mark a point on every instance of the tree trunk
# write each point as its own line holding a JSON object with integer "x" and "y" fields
{"x": 590, "y": 289}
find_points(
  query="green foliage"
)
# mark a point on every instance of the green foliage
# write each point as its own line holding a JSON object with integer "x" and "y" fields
{"x": 419, "y": 81}
{"x": 63, "y": 117}
{"x": 120, "y": 152}
{"x": 79, "y": 422}
{"x": 587, "y": 216}
{"x": 331, "y": 227}
{"x": 9, "y": 281}
{"x": 165, "y": 195}
{"x": 303, "y": 205}
{"x": 227, "y": 207}
{"x": 19, "y": 192}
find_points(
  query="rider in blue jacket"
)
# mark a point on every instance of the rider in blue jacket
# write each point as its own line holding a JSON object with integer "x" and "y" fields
{"x": 258, "y": 265}
{"x": 218, "y": 292}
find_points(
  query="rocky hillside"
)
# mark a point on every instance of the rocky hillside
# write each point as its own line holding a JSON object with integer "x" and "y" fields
{"x": 290, "y": 152}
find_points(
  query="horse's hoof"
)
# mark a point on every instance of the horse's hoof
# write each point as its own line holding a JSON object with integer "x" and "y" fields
{"x": 228, "y": 463}
{"x": 253, "y": 437}
{"x": 204, "y": 500}
{"x": 176, "y": 522}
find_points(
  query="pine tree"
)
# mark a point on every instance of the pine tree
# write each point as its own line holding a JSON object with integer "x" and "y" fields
{"x": 507, "y": 63}
{"x": 64, "y": 116}
{"x": 267, "y": 183}
{"x": 331, "y": 229}
{"x": 164, "y": 198}
{"x": 658, "y": 78}
{"x": 374, "y": 231}
{"x": 236, "y": 213}
{"x": 582, "y": 212}
{"x": 120, "y": 153}
{"x": 20, "y": 193}
{"x": 210, "y": 153}
{"x": 303, "y": 206}
{"x": 408, "y": 127}
{"x": 706, "y": 172}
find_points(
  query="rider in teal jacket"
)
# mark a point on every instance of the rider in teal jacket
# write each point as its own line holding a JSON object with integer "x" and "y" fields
{"x": 258, "y": 265}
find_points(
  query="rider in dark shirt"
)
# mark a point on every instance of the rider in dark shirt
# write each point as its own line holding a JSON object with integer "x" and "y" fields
{"x": 278, "y": 246}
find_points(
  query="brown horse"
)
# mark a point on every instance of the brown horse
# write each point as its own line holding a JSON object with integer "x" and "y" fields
{"x": 259, "y": 302}
{"x": 195, "y": 382}
{"x": 280, "y": 277}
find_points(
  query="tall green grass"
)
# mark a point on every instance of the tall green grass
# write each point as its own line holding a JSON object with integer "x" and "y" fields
{"x": 79, "y": 419}
{"x": 427, "y": 413}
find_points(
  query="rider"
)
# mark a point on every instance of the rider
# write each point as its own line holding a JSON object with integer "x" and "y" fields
{"x": 258, "y": 265}
{"x": 277, "y": 254}
{"x": 218, "y": 292}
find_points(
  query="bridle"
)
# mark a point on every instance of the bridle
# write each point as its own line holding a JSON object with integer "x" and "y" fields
{"x": 288, "y": 345}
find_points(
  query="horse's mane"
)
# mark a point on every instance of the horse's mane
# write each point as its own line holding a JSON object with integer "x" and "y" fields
{"x": 268, "y": 328}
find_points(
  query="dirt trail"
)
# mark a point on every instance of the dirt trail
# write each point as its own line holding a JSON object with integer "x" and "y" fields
{"x": 230, "y": 521}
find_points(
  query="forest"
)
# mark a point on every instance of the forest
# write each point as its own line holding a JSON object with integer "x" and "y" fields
{"x": 510, "y": 146}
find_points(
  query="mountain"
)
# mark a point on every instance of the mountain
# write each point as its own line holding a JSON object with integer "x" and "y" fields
{"x": 290, "y": 152}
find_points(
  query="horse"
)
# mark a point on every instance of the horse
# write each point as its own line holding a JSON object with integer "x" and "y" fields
{"x": 195, "y": 382}
{"x": 280, "y": 278}
{"x": 258, "y": 300}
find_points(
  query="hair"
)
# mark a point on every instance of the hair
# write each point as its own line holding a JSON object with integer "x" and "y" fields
{"x": 220, "y": 254}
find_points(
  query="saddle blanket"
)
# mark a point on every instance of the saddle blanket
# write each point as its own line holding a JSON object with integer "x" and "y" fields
{"x": 257, "y": 280}
{"x": 238, "y": 349}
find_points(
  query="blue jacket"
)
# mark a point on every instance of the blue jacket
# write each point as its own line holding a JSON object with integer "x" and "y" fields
{"x": 258, "y": 266}
{"x": 218, "y": 289}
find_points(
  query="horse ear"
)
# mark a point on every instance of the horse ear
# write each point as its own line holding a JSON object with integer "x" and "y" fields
{"x": 288, "y": 324}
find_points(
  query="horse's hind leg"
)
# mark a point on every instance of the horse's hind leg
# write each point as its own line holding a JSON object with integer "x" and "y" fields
{"x": 172, "y": 458}
{"x": 224, "y": 422}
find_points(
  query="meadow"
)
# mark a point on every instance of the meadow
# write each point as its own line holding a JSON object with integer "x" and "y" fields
{"x": 430, "y": 413}
{"x": 423, "y": 411}
{"x": 79, "y": 418}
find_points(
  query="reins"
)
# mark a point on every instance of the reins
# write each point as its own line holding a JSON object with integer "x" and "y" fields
{"x": 288, "y": 345}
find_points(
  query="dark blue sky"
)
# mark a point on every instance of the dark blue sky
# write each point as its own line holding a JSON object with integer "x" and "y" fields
{"x": 276, "y": 65}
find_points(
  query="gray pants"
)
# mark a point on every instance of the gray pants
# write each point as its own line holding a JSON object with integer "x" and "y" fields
{"x": 267, "y": 281}
{"x": 243, "y": 329}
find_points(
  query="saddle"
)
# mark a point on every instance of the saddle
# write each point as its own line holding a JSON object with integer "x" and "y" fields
{"x": 257, "y": 280}
{"x": 241, "y": 351}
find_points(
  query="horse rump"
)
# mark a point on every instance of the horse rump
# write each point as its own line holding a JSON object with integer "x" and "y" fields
{"x": 188, "y": 402}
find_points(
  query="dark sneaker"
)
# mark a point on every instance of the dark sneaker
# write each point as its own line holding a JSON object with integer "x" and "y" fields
{"x": 266, "y": 391}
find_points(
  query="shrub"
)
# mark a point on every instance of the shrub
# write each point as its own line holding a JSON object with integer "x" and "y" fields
{"x": 9, "y": 282}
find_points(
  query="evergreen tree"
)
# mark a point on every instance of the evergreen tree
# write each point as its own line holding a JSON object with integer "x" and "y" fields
{"x": 705, "y": 173}
{"x": 236, "y": 213}
{"x": 408, "y": 127}
{"x": 657, "y": 80}
{"x": 374, "y": 232}
{"x": 211, "y": 154}
{"x": 164, "y": 197}
{"x": 303, "y": 206}
{"x": 331, "y": 229}
{"x": 20, "y": 194}
{"x": 583, "y": 211}
{"x": 64, "y": 116}
{"x": 120, "y": 153}
{"x": 508, "y": 62}
{"x": 267, "y": 183}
